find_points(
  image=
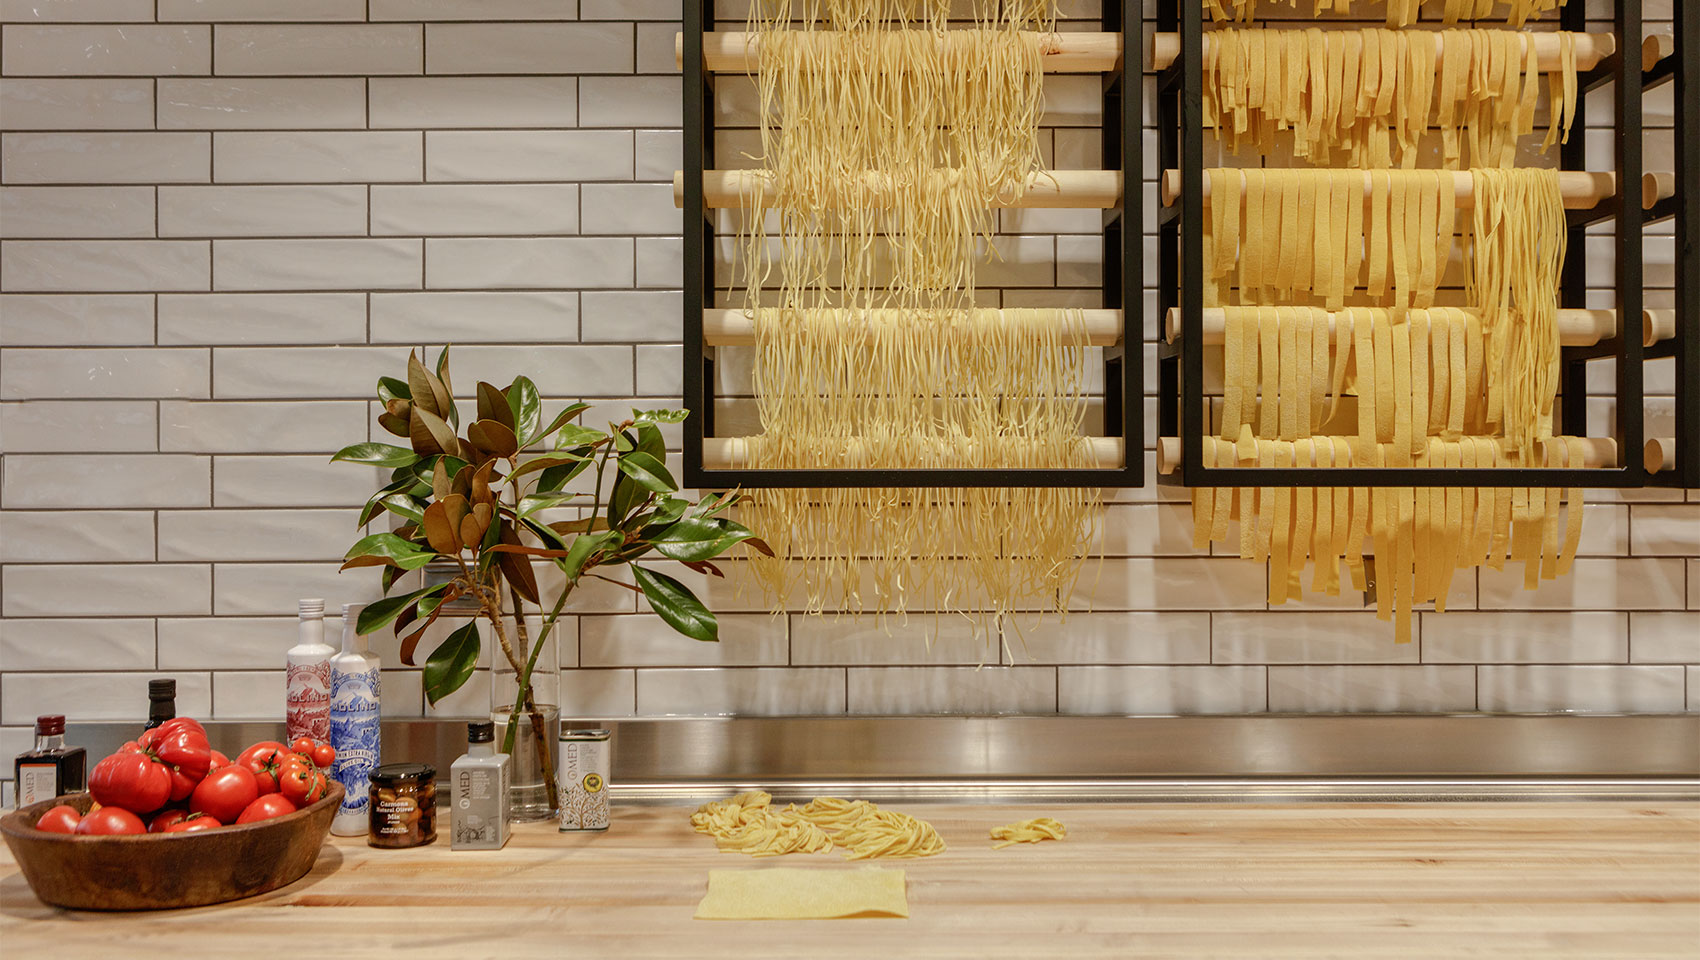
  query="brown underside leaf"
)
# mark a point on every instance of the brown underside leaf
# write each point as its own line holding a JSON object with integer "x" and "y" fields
{"x": 440, "y": 531}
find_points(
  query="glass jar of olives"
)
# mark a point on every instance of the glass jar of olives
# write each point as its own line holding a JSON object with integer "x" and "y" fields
{"x": 404, "y": 805}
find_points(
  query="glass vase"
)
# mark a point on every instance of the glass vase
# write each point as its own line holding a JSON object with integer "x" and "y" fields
{"x": 532, "y": 793}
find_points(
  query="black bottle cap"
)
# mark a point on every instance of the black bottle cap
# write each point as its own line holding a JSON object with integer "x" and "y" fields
{"x": 162, "y": 689}
{"x": 480, "y": 731}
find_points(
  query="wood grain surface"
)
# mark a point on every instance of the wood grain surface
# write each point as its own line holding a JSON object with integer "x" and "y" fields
{"x": 1426, "y": 880}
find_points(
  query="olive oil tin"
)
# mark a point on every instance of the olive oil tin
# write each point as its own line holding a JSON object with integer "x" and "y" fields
{"x": 584, "y": 779}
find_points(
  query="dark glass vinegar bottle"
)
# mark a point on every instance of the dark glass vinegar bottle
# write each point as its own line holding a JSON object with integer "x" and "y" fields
{"x": 162, "y": 702}
{"x": 51, "y": 769}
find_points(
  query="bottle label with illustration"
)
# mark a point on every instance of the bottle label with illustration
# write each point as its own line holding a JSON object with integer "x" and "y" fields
{"x": 354, "y": 733}
{"x": 308, "y": 711}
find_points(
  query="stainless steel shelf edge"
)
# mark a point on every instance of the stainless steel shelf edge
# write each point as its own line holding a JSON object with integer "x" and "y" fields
{"x": 1258, "y": 757}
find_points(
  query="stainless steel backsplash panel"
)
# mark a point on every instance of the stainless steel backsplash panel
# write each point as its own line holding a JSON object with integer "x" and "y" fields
{"x": 1150, "y": 758}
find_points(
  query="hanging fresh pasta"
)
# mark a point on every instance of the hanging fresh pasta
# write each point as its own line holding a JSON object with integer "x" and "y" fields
{"x": 886, "y": 143}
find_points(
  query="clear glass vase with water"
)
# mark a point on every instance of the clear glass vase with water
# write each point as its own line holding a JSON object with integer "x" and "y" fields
{"x": 532, "y": 794}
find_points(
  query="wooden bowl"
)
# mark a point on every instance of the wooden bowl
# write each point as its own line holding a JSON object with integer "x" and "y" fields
{"x": 158, "y": 871}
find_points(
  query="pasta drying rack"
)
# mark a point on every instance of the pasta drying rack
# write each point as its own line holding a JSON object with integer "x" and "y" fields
{"x": 1628, "y": 458}
{"x": 705, "y": 54}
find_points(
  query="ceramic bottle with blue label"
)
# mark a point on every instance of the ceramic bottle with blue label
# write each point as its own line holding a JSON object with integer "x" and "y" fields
{"x": 354, "y": 724}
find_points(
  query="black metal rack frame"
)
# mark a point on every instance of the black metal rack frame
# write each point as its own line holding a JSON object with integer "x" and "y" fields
{"x": 1123, "y": 284}
{"x": 1181, "y": 277}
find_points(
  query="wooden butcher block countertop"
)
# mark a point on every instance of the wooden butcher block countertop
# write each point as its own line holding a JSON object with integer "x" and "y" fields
{"x": 1430, "y": 880}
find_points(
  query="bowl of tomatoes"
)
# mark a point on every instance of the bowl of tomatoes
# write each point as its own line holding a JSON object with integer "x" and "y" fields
{"x": 169, "y": 822}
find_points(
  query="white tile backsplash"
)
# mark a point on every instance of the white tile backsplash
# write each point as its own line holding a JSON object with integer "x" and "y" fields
{"x": 1590, "y": 689}
{"x": 939, "y": 690}
{"x": 105, "y": 158}
{"x": 1162, "y": 690}
{"x": 223, "y": 219}
{"x": 1372, "y": 689}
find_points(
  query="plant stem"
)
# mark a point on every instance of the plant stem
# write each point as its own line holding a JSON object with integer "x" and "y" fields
{"x": 527, "y": 701}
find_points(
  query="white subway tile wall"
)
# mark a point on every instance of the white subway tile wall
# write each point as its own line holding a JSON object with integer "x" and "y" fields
{"x": 222, "y": 220}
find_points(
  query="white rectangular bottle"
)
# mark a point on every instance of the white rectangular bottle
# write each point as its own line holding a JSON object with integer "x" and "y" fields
{"x": 478, "y": 792}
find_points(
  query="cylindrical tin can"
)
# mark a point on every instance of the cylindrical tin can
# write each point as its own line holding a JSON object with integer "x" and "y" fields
{"x": 585, "y": 764}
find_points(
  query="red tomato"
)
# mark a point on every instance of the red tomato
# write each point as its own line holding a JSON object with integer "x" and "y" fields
{"x": 303, "y": 746}
{"x": 133, "y": 781}
{"x": 194, "y": 822}
{"x": 265, "y": 808}
{"x": 186, "y": 749}
{"x": 266, "y": 760}
{"x": 165, "y": 818}
{"x": 264, "y": 746}
{"x": 111, "y": 820}
{"x": 225, "y": 793}
{"x": 324, "y": 755}
{"x": 60, "y": 819}
{"x": 218, "y": 760}
{"x": 301, "y": 785}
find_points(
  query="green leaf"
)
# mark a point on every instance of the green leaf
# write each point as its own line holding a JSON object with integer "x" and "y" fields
{"x": 376, "y": 454}
{"x": 450, "y": 665}
{"x": 380, "y": 612}
{"x": 649, "y": 440}
{"x": 586, "y": 544}
{"x": 574, "y": 435}
{"x": 529, "y": 505}
{"x": 660, "y": 416}
{"x": 647, "y": 470}
{"x": 541, "y": 463}
{"x": 561, "y": 419}
{"x": 675, "y": 604}
{"x": 526, "y": 409}
{"x": 627, "y": 496}
{"x": 623, "y": 442}
{"x": 389, "y": 388}
{"x": 560, "y": 475}
{"x": 670, "y": 510}
{"x": 407, "y": 507}
{"x": 384, "y": 545}
{"x": 695, "y": 539}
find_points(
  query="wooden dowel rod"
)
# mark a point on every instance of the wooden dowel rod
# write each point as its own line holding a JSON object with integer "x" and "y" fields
{"x": 735, "y": 328}
{"x": 1576, "y": 328}
{"x": 730, "y": 453}
{"x": 1660, "y": 454}
{"x": 1597, "y": 453}
{"x": 1657, "y": 325}
{"x": 1591, "y": 48}
{"x": 1084, "y": 189}
{"x": 730, "y": 51}
{"x": 1582, "y": 190}
{"x": 1655, "y": 187}
{"x": 1655, "y": 48}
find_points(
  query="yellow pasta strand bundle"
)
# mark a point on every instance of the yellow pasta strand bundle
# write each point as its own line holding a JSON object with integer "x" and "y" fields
{"x": 1516, "y": 249}
{"x": 941, "y": 390}
{"x": 748, "y": 823}
{"x": 1322, "y": 235}
{"x": 1400, "y": 13}
{"x": 1415, "y": 390}
{"x": 1028, "y": 831}
{"x": 885, "y": 143}
{"x": 1370, "y": 96}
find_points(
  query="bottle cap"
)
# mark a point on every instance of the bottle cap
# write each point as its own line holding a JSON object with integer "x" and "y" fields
{"x": 314, "y": 607}
{"x": 50, "y": 724}
{"x": 480, "y": 731}
{"x": 351, "y": 612}
{"x": 162, "y": 689}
